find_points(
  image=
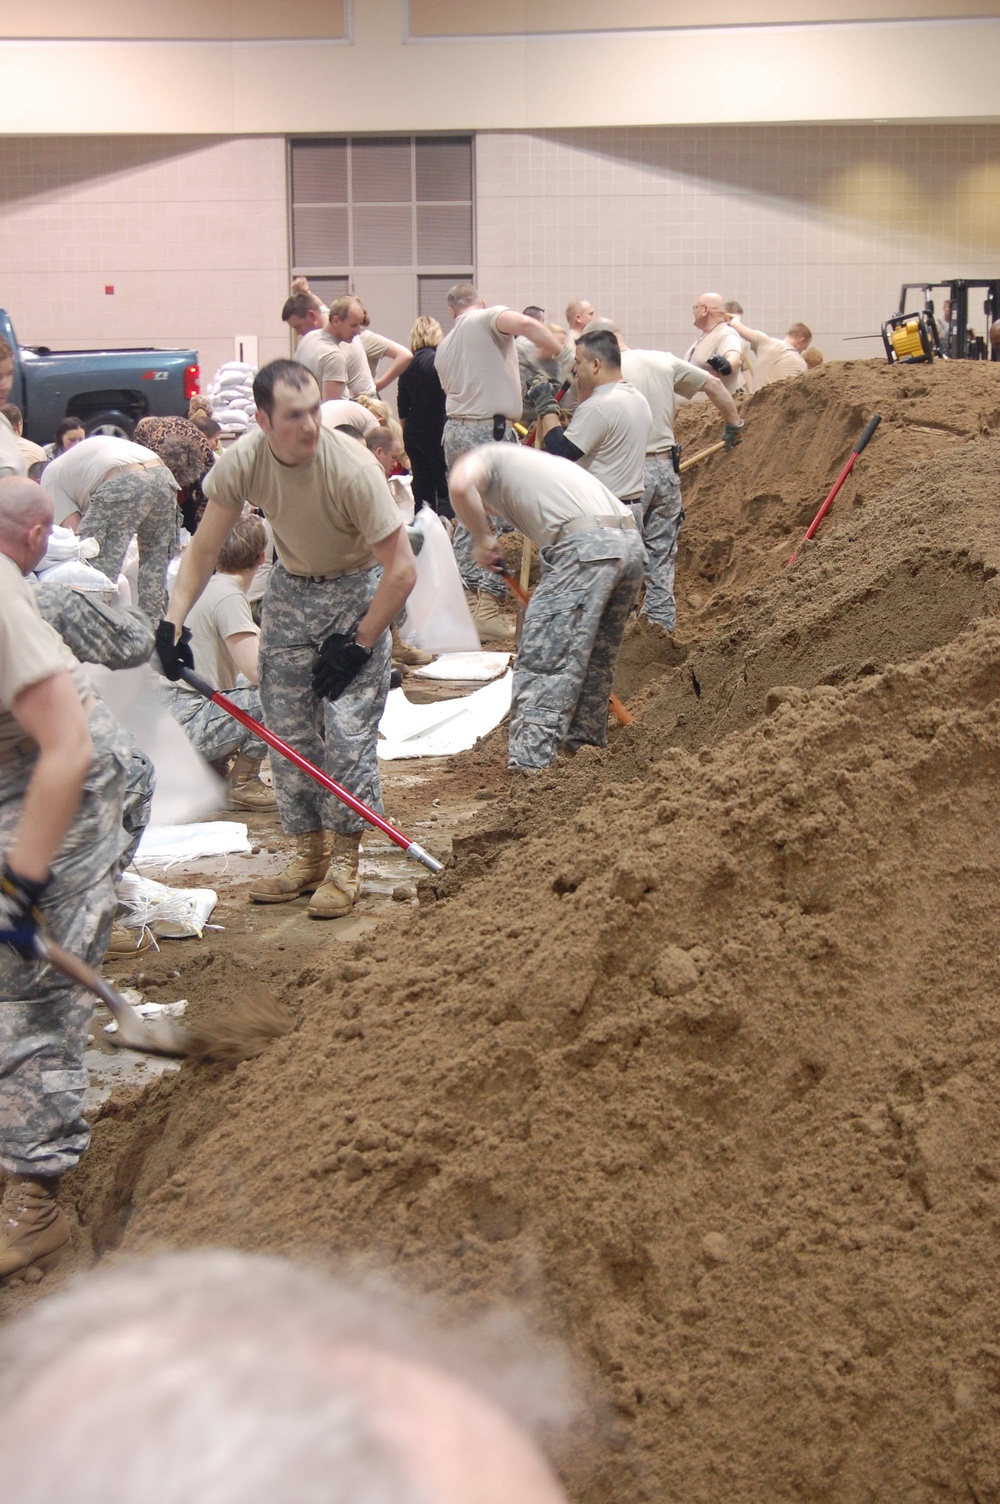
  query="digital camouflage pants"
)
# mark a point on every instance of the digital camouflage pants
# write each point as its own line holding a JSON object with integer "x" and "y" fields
{"x": 573, "y": 630}
{"x": 44, "y": 1019}
{"x": 662, "y": 515}
{"x": 211, "y": 730}
{"x": 339, "y": 737}
{"x": 459, "y": 437}
{"x": 140, "y": 504}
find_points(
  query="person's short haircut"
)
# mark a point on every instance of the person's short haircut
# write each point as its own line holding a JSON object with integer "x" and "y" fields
{"x": 341, "y": 307}
{"x": 299, "y": 306}
{"x": 380, "y": 438}
{"x": 426, "y": 333}
{"x": 243, "y": 548}
{"x": 206, "y": 425}
{"x": 6, "y": 353}
{"x": 351, "y": 431}
{"x": 13, "y": 414}
{"x": 812, "y": 357}
{"x": 36, "y": 470}
{"x": 462, "y": 295}
{"x": 65, "y": 426}
{"x": 733, "y": 307}
{"x": 534, "y": 312}
{"x": 604, "y": 345}
{"x": 800, "y": 331}
{"x": 601, "y": 326}
{"x": 292, "y": 372}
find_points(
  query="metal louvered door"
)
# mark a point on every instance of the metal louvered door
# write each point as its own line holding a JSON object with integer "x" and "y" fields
{"x": 389, "y": 218}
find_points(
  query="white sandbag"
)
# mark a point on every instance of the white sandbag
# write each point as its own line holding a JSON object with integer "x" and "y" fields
{"x": 186, "y": 787}
{"x": 438, "y": 619}
{"x": 171, "y": 913}
{"x": 465, "y": 668}
{"x": 235, "y": 365}
{"x": 80, "y": 576}
{"x": 64, "y": 544}
{"x": 168, "y": 844}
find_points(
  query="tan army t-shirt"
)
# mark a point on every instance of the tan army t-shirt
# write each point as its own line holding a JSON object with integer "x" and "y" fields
{"x": 773, "y": 361}
{"x": 12, "y": 461}
{"x": 612, "y": 426}
{"x": 374, "y": 346}
{"x": 30, "y": 651}
{"x": 333, "y": 360}
{"x": 343, "y": 412}
{"x": 325, "y": 513}
{"x": 221, "y": 611}
{"x": 540, "y": 492}
{"x": 477, "y": 366}
{"x": 722, "y": 340}
{"x": 662, "y": 378}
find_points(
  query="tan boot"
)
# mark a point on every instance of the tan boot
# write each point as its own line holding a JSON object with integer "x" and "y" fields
{"x": 339, "y": 889}
{"x": 303, "y": 874}
{"x": 490, "y": 624}
{"x": 127, "y": 941}
{"x": 409, "y": 657}
{"x": 245, "y": 788}
{"x": 33, "y": 1226}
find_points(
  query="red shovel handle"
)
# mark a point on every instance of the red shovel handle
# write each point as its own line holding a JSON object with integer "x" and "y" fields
{"x": 305, "y": 766}
{"x": 810, "y": 531}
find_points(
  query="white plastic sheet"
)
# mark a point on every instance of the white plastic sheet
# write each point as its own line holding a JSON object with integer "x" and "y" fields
{"x": 446, "y": 727}
{"x": 438, "y": 619}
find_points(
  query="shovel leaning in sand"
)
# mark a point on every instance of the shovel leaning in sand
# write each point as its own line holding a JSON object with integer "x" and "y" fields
{"x": 810, "y": 531}
{"x": 235, "y": 1036}
{"x": 412, "y": 848}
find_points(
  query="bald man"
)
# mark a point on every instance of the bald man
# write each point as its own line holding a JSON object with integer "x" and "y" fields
{"x": 239, "y": 1378}
{"x": 718, "y": 348}
{"x": 62, "y": 779}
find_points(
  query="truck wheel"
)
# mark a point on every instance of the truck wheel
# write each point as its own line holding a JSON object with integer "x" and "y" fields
{"x": 117, "y": 425}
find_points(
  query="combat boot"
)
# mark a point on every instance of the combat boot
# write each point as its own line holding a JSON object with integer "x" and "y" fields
{"x": 404, "y": 654}
{"x": 33, "y": 1226}
{"x": 491, "y": 625}
{"x": 245, "y": 788}
{"x": 303, "y": 874}
{"x": 339, "y": 889}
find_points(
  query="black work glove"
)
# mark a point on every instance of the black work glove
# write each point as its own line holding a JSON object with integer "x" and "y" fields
{"x": 173, "y": 655}
{"x": 336, "y": 664}
{"x": 20, "y": 916}
{"x": 720, "y": 365}
{"x": 733, "y": 435}
{"x": 541, "y": 396}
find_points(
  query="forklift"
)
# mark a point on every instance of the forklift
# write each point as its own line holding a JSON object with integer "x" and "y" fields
{"x": 921, "y": 336}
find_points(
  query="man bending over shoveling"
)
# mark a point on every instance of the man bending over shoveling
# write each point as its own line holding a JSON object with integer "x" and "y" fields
{"x": 593, "y": 561}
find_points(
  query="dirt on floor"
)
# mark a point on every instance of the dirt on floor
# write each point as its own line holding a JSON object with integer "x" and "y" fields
{"x": 692, "y": 1049}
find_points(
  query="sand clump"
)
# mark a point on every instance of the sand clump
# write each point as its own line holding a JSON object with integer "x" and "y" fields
{"x": 693, "y": 1051}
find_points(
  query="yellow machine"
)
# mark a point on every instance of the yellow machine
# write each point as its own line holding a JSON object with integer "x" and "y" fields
{"x": 910, "y": 338}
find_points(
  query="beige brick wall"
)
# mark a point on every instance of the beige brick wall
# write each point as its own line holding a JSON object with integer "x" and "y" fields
{"x": 190, "y": 232}
{"x": 807, "y": 222}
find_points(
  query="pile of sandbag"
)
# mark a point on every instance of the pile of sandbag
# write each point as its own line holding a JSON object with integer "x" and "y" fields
{"x": 231, "y": 396}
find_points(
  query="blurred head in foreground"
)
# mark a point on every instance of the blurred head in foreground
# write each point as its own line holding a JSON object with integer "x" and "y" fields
{"x": 245, "y": 1380}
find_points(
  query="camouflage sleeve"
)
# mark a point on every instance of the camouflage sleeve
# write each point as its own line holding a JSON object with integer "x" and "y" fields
{"x": 116, "y": 636}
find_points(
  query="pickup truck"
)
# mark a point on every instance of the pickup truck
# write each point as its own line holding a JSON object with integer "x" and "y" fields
{"x": 108, "y": 390}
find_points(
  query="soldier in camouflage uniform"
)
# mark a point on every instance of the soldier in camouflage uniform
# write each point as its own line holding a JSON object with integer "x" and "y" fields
{"x": 140, "y": 504}
{"x": 116, "y": 637}
{"x": 61, "y": 861}
{"x": 593, "y": 561}
{"x": 478, "y": 368}
{"x": 344, "y": 570}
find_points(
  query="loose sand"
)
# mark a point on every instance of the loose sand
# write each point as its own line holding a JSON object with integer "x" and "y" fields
{"x": 694, "y": 1049}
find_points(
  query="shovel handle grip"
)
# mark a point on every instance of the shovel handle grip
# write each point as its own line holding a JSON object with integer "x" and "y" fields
{"x": 862, "y": 442}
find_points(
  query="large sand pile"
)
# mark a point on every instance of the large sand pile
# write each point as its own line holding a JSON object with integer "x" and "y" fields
{"x": 695, "y": 1051}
